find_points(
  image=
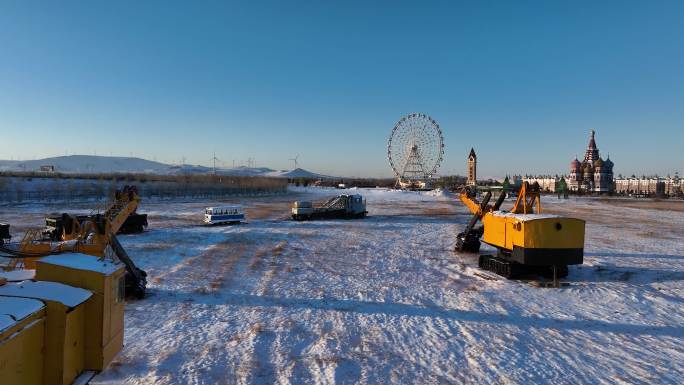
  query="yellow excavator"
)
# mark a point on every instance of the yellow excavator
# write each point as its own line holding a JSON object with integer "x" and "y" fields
{"x": 527, "y": 240}
{"x": 92, "y": 234}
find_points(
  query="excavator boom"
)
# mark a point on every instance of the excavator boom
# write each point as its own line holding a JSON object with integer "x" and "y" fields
{"x": 92, "y": 235}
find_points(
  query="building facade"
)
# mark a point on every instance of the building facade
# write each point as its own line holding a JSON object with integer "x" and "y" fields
{"x": 472, "y": 168}
{"x": 593, "y": 174}
{"x": 547, "y": 183}
{"x": 650, "y": 186}
{"x": 632, "y": 186}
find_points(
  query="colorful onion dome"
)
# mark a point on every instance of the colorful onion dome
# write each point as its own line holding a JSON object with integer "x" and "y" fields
{"x": 575, "y": 165}
{"x": 608, "y": 163}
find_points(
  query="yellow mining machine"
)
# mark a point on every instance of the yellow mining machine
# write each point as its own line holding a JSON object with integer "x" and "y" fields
{"x": 527, "y": 241}
{"x": 92, "y": 234}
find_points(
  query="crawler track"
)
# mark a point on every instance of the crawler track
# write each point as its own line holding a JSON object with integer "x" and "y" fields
{"x": 513, "y": 270}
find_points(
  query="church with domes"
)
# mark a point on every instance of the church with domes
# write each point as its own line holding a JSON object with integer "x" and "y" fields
{"x": 593, "y": 174}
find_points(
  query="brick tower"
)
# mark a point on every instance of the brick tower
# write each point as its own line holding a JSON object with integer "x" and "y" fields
{"x": 472, "y": 168}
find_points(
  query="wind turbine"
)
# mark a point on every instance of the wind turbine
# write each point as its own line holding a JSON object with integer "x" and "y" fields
{"x": 295, "y": 159}
{"x": 215, "y": 159}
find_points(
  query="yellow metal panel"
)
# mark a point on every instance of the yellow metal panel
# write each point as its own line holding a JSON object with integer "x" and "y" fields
{"x": 85, "y": 279}
{"x": 94, "y": 331}
{"x": 513, "y": 233}
{"x": 117, "y": 305}
{"x": 112, "y": 348}
{"x": 64, "y": 332}
{"x": 104, "y": 312}
{"x": 104, "y": 331}
{"x": 64, "y": 344}
{"x": 74, "y": 342}
{"x": 554, "y": 233}
{"x": 495, "y": 230}
{"x": 21, "y": 351}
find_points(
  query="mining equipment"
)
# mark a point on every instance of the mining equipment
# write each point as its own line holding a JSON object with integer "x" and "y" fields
{"x": 342, "y": 206}
{"x": 527, "y": 241}
{"x": 57, "y": 224}
{"x": 93, "y": 234}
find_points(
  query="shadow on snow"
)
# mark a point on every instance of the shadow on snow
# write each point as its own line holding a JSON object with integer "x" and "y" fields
{"x": 411, "y": 310}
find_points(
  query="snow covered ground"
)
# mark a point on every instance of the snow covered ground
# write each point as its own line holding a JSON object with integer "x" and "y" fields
{"x": 386, "y": 300}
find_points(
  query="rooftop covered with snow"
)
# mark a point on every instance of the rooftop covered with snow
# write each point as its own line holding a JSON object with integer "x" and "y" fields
{"x": 19, "y": 308}
{"x": 18, "y": 275}
{"x": 524, "y": 217}
{"x": 48, "y": 291}
{"x": 83, "y": 262}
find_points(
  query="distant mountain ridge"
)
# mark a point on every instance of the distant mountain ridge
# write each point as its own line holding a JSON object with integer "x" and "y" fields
{"x": 94, "y": 164}
{"x": 87, "y": 164}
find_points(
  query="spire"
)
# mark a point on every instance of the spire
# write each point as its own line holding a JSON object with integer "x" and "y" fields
{"x": 592, "y": 153}
{"x": 472, "y": 153}
{"x": 592, "y": 141}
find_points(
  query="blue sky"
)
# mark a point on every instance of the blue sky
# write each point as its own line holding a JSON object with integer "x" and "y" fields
{"x": 522, "y": 82}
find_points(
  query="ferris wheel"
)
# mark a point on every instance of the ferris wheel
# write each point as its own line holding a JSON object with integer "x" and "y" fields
{"x": 415, "y": 148}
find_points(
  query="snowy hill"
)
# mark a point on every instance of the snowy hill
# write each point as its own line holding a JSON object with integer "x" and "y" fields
{"x": 92, "y": 164}
{"x": 6, "y": 165}
{"x": 87, "y": 164}
{"x": 299, "y": 173}
{"x": 246, "y": 171}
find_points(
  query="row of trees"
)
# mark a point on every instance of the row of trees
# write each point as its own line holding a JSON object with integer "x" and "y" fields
{"x": 31, "y": 188}
{"x": 445, "y": 182}
{"x": 348, "y": 182}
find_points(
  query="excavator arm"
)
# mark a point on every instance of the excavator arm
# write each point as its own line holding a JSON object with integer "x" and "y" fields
{"x": 469, "y": 202}
{"x": 469, "y": 239}
{"x": 125, "y": 204}
{"x": 91, "y": 236}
